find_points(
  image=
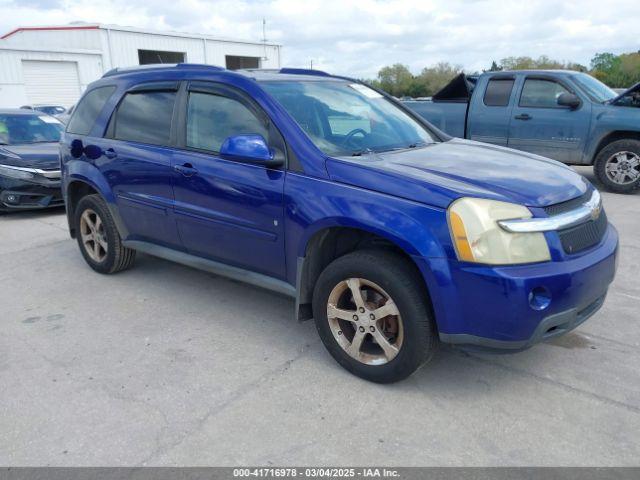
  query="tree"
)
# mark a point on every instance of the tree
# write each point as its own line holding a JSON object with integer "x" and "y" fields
{"x": 437, "y": 76}
{"x": 517, "y": 63}
{"x": 616, "y": 70}
{"x": 629, "y": 69}
{"x": 395, "y": 79}
{"x": 605, "y": 62}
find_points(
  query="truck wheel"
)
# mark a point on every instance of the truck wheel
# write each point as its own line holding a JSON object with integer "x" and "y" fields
{"x": 373, "y": 315}
{"x": 617, "y": 166}
{"x": 98, "y": 238}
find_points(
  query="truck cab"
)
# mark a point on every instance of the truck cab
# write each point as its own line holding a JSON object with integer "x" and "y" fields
{"x": 564, "y": 115}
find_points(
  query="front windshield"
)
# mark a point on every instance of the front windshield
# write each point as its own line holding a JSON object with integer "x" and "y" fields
{"x": 344, "y": 118}
{"x": 22, "y": 129}
{"x": 597, "y": 90}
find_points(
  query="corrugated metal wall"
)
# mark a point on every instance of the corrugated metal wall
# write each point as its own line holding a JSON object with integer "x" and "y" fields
{"x": 12, "y": 84}
{"x": 125, "y": 46}
{"x": 98, "y": 50}
{"x": 55, "y": 39}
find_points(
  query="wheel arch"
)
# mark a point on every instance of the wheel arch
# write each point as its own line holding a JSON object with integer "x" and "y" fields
{"x": 78, "y": 185}
{"x": 612, "y": 137}
{"x": 329, "y": 242}
{"x": 76, "y": 189}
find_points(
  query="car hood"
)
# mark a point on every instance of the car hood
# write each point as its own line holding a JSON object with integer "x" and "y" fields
{"x": 616, "y": 100}
{"x": 35, "y": 155}
{"x": 440, "y": 173}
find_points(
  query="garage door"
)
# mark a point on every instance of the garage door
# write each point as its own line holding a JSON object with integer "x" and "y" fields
{"x": 51, "y": 82}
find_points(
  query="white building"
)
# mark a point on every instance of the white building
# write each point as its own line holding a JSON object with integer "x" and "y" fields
{"x": 55, "y": 64}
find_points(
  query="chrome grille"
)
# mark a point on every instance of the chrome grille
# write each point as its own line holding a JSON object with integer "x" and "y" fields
{"x": 583, "y": 236}
{"x": 569, "y": 205}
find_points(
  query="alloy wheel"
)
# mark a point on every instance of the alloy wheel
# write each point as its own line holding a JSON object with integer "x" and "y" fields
{"x": 623, "y": 168}
{"x": 93, "y": 235}
{"x": 365, "y": 321}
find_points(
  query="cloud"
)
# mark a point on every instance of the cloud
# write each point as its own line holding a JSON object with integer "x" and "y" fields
{"x": 359, "y": 37}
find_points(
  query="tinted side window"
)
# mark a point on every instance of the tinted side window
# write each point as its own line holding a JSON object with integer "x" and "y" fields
{"x": 211, "y": 119}
{"x": 85, "y": 114}
{"x": 145, "y": 117}
{"x": 498, "y": 92}
{"x": 541, "y": 93}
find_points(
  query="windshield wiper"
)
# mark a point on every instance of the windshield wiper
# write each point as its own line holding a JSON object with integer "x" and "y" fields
{"x": 359, "y": 153}
{"x": 418, "y": 144}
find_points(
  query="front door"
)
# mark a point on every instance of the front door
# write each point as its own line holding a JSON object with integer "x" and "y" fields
{"x": 226, "y": 210}
{"x": 539, "y": 125}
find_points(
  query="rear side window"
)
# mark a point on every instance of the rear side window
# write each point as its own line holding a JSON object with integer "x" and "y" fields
{"x": 211, "y": 119}
{"x": 85, "y": 114}
{"x": 541, "y": 93}
{"x": 498, "y": 92}
{"x": 145, "y": 117}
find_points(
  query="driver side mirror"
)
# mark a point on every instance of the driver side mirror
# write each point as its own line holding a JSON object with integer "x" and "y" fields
{"x": 569, "y": 100}
{"x": 251, "y": 148}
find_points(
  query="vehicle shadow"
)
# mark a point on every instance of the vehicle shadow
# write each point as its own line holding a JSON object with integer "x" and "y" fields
{"x": 451, "y": 369}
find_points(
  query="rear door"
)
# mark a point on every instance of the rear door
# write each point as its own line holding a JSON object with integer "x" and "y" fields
{"x": 227, "y": 210}
{"x": 490, "y": 112}
{"x": 541, "y": 126}
{"x": 136, "y": 161}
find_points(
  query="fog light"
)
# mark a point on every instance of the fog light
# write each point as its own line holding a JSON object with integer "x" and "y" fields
{"x": 539, "y": 298}
{"x": 12, "y": 199}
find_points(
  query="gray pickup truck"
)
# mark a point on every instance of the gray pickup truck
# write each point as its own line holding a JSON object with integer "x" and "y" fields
{"x": 568, "y": 116}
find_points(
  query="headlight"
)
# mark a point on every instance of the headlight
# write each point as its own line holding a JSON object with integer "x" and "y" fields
{"x": 16, "y": 172}
{"x": 473, "y": 223}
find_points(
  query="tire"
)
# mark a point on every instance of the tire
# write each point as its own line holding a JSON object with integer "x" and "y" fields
{"x": 608, "y": 158}
{"x": 412, "y": 331}
{"x": 115, "y": 257}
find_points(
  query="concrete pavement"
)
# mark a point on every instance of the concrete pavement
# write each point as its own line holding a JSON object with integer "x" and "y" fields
{"x": 166, "y": 365}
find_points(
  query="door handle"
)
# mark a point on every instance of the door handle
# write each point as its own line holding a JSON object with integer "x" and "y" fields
{"x": 186, "y": 169}
{"x": 110, "y": 153}
{"x": 523, "y": 116}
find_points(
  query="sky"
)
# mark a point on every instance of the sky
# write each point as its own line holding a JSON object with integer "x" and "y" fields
{"x": 357, "y": 38}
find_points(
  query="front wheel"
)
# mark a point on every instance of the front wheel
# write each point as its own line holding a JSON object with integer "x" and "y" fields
{"x": 617, "y": 166}
{"x": 373, "y": 315}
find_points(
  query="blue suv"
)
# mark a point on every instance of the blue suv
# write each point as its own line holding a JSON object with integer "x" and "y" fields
{"x": 390, "y": 234}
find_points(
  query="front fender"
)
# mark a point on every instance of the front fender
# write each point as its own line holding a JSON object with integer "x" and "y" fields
{"x": 313, "y": 205}
{"x": 613, "y": 122}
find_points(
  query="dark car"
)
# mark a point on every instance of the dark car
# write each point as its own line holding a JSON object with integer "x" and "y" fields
{"x": 46, "y": 108}
{"x": 29, "y": 162}
{"x": 388, "y": 233}
{"x": 65, "y": 116}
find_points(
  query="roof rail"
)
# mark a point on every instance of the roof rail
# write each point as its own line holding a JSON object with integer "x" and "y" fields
{"x": 157, "y": 66}
{"x": 304, "y": 71}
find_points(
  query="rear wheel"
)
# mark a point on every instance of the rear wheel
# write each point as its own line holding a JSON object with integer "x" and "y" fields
{"x": 373, "y": 315}
{"x": 617, "y": 166}
{"x": 98, "y": 237}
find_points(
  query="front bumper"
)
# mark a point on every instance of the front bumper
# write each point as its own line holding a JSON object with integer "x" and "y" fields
{"x": 26, "y": 195}
{"x": 499, "y": 307}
